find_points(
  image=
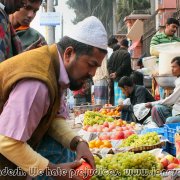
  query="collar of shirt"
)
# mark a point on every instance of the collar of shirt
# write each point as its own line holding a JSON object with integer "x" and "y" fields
{"x": 2, "y": 6}
{"x": 166, "y": 36}
{"x": 63, "y": 76}
{"x": 177, "y": 82}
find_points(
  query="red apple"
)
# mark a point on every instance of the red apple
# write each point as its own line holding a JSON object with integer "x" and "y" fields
{"x": 175, "y": 160}
{"x": 172, "y": 166}
{"x": 169, "y": 158}
{"x": 127, "y": 133}
{"x": 106, "y": 129}
{"x": 164, "y": 162}
{"x": 113, "y": 137}
{"x": 118, "y": 128}
{"x": 120, "y": 135}
{"x": 99, "y": 128}
{"x": 125, "y": 128}
{"x": 178, "y": 161}
{"x": 84, "y": 171}
{"x": 104, "y": 137}
{"x": 105, "y": 124}
{"x": 90, "y": 129}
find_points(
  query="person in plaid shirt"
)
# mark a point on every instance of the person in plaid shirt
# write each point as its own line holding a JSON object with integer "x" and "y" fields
{"x": 10, "y": 44}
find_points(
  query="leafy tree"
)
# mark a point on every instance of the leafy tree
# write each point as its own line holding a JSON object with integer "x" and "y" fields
{"x": 103, "y": 9}
{"x": 126, "y": 7}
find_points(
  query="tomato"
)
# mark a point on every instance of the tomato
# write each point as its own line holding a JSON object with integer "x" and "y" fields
{"x": 84, "y": 171}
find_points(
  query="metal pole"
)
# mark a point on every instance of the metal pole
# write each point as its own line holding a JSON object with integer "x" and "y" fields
{"x": 50, "y": 29}
{"x": 62, "y": 26}
{"x": 114, "y": 17}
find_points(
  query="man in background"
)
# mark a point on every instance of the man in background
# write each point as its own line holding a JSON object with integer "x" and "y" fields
{"x": 137, "y": 94}
{"x": 119, "y": 65}
{"x": 166, "y": 36}
{"x": 20, "y": 20}
{"x": 9, "y": 43}
{"x": 161, "y": 37}
{"x": 168, "y": 109}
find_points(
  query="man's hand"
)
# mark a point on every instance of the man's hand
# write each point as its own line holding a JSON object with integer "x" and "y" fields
{"x": 148, "y": 105}
{"x": 84, "y": 152}
{"x": 119, "y": 107}
{"x": 113, "y": 75}
{"x": 66, "y": 171}
{"x": 36, "y": 44}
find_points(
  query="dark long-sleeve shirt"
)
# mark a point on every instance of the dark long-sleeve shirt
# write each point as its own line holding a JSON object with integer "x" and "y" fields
{"x": 120, "y": 62}
{"x": 139, "y": 95}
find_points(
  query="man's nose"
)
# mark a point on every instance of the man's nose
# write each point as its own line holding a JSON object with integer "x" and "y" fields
{"x": 92, "y": 71}
{"x": 31, "y": 13}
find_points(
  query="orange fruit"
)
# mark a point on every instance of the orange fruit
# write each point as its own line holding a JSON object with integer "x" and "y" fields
{"x": 98, "y": 143}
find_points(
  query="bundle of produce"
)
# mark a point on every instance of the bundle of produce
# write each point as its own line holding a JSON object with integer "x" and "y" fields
{"x": 135, "y": 140}
{"x": 127, "y": 166}
{"x": 91, "y": 118}
{"x": 100, "y": 144}
{"x": 169, "y": 162}
{"x": 110, "y": 112}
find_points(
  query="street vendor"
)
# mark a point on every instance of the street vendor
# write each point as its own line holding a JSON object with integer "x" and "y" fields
{"x": 137, "y": 94}
{"x": 166, "y": 36}
{"x": 162, "y": 37}
{"x": 168, "y": 109}
{"x": 30, "y": 95}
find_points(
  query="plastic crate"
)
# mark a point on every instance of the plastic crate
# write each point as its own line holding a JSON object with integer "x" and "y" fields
{"x": 170, "y": 148}
{"x": 170, "y": 131}
{"x": 160, "y": 131}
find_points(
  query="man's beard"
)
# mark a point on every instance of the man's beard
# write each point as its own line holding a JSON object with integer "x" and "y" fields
{"x": 74, "y": 85}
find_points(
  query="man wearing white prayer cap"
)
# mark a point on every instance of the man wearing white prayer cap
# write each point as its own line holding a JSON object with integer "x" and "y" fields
{"x": 33, "y": 132}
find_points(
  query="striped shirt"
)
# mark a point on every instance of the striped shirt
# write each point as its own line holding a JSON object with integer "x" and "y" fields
{"x": 161, "y": 38}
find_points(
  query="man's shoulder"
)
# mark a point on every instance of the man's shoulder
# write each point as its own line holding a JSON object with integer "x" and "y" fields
{"x": 176, "y": 38}
{"x": 34, "y": 31}
{"x": 3, "y": 15}
{"x": 140, "y": 88}
{"x": 159, "y": 35}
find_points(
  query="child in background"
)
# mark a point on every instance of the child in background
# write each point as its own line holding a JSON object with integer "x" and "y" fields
{"x": 80, "y": 95}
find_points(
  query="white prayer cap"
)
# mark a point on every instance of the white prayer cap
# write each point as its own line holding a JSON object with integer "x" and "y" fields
{"x": 90, "y": 31}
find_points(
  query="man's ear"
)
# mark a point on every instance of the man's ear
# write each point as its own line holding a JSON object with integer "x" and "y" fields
{"x": 69, "y": 51}
{"x": 125, "y": 87}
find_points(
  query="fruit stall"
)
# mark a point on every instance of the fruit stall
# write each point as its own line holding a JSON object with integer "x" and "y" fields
{"x": 126, "y": 150}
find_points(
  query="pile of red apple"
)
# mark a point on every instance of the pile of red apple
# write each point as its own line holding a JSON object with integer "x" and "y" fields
{"x": 116, "y": 126}
{"x": 170, "y": 162}
{"x": 118, "y": 135}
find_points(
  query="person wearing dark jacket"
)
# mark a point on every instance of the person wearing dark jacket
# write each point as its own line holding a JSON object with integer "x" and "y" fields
{"x": 136, "y": 93}
{"x": 119, "y": 65}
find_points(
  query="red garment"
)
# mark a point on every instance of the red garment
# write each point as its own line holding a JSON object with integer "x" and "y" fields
{"x": 79, "y": 92}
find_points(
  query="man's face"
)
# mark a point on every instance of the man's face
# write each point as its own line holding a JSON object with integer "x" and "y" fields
{"x": 80, "y": 68}
{"x": 26, "y": 14}
{"x": 175, "y": 69}
{"x": 126, "y": 91}
{"x": 14, "y": 5}
{"x": 171, "y": 29}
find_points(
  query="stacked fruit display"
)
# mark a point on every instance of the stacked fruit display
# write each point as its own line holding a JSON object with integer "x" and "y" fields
{"x": 118, "y": 135}
{"x": 116, "y": 125}
{"x": 100, "y": 144}
{"x": 169, "y": 162}
{"x": 110, "y": 112}
{"x": 135, "y": 140}
{"x": 127, "y": 166}
{"x": 91, "y": 118}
